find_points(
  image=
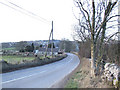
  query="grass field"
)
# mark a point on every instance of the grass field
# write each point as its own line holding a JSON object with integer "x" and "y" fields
{"x": 15, "y": 59}
{"x": 12, "y": 48}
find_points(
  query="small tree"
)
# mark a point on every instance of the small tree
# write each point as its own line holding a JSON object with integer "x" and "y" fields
{"x": 67, "y": 45}
{"x": 29, "y": 48}
{"x": 21, "y": 46}
{"x": 32, "y": 46}
{"x": 41, "y": 46}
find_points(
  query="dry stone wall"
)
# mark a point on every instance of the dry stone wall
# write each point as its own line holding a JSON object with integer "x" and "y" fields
{"x": 111, "y": 74}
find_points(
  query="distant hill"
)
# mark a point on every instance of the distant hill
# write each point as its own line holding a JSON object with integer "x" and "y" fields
{"x": 36, "y": 43}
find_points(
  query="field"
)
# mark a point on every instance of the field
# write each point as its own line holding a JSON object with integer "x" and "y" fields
{"x": 6, "y": 67}
{"x": 15, "y": 59}
{"x": 12, "y": 48}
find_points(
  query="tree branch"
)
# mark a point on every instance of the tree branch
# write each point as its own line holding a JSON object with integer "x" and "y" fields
{"x": 87, "y": 14}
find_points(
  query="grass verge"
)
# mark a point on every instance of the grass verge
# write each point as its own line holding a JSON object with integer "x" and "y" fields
{"x": 82, "y": 77}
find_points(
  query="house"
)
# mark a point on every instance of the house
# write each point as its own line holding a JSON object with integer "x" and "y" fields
{"x": 42, "y": 51}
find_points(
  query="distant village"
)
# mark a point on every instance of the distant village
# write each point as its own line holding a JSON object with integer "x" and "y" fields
{"x": 38, "y": 47}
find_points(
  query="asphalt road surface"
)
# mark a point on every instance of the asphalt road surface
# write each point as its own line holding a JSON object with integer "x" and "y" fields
{"x": 42, "y": 76}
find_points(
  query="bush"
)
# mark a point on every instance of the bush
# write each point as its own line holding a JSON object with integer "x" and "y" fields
{"x": 28, "y": 49}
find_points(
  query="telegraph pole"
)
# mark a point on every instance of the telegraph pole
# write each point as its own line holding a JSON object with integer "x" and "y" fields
{"x": 51, "y": 34}
{"x": 48, "y": 44}
{"x": 52, "y": 40}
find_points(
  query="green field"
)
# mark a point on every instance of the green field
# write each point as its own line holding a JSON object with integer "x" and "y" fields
{"x": 12, "y": 48}
{"x": 15, "y": 59}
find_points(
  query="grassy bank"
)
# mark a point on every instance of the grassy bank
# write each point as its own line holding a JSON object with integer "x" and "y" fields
{"x": 82, "y": 78}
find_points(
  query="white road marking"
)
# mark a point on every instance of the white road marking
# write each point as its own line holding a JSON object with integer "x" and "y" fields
{"x": 65, "y": 74}
{"x": 59, "y": 65}
{"x": 70, "y": 60}
{"x": 22, "y": 77}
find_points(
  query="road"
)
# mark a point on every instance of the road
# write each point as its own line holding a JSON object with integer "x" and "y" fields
{"x": 42, "y": 76}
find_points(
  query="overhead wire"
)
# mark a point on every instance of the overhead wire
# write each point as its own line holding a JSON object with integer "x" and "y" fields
{"x": 27, "y": 12}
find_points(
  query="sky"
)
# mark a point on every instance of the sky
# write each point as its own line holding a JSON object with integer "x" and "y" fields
{"x": 33, "y": 21}
{"x": 26, "y": 20}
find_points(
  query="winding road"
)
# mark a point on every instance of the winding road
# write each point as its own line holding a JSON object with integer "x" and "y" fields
{"x": 41, "y": 76}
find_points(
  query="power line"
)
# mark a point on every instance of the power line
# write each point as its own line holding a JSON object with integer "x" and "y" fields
{"x": 14, "y": 8}
{"x": 26, "y": 12}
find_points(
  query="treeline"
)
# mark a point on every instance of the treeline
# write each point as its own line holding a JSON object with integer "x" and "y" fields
{"x": 24, "y": 47}
{"x": 110, "y": 51}
{"x": 68, "y": 46}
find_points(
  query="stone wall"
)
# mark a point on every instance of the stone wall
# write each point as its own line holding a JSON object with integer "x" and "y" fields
{"x": 111, "y": 74}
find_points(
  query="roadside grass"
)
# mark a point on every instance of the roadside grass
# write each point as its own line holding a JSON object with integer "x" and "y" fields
{"x": 72, "y": 82}
{"x": 82, "y": 78}
{"x": 15, "y": 59}
{"x": 76, "y": 79}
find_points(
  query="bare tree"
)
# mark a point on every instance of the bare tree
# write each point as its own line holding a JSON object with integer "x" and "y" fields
{"x": 21, "y": 45}
{"x": 67, "y": 45}
{"x": 94, "y": 17}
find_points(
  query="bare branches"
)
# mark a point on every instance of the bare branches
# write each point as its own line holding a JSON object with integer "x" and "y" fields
{"x": 112, "y": 26}
{"x": 108, "y": 10}
{"x": 87, "y": 14}
{"x": 112, "y": 36}
{"x": 95, "y": 16}
{"x": 93, "y": 19}
{"x": 84, "y": 12}
{"x": 93, "y": 24}
{"x": 112, "y": 17}
{"x": 74, "y": 14}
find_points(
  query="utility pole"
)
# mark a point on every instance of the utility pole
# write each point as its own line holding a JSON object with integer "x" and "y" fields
{"x": 51, "y": 33}
{"x": 48, "y": 44}
{"x": 52, "y": 40}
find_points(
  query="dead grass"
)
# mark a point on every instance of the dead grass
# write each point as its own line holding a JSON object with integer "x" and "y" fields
{"x": 82, "y": 78}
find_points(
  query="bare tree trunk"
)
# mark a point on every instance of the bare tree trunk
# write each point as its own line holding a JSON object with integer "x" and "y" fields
{"x": 92, "y": 59}
{"x": 92, "y": 42}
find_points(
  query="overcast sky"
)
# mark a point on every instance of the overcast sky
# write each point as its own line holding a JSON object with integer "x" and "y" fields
{"x": 25, "y": 20}
{"x": 17, "y": 24}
